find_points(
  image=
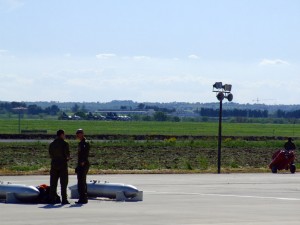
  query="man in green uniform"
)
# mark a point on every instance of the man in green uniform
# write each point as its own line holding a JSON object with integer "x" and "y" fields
{"x": 83, "y": 166}
{"x": 60, "y": 154}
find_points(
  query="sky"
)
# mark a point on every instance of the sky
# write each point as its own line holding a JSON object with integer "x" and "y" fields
{"x": 149, "y": 50}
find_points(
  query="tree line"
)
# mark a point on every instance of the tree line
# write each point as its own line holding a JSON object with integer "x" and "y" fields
{"x": 249, "y": 113}
{"x": 234, "y": 113}
{"x": 14, "y": 107}
{"x": 161, "y": 113}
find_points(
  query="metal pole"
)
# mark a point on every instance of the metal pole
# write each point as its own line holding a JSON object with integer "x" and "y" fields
{"x": 19, "y": 121}
{"x": 220, "y": 138}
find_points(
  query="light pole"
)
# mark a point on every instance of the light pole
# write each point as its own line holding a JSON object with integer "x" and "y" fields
{"x": 223, "y": 92}
{"x": 20, "y": 109}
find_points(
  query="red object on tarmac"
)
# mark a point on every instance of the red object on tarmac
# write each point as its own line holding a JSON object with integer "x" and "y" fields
{"x": 283, "y": 159}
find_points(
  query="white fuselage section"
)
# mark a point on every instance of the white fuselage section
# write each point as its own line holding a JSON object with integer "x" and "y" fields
{"x": 20, "y": 191}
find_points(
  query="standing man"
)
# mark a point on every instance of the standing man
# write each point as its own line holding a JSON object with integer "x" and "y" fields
{"x": 289, "y": 145}
{"x": 60, "y": 154}
{"x": 82, "y": 166}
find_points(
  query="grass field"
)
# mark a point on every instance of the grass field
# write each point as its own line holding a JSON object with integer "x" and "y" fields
{"x": 11, "y": 126}
{"x": 168, "y": 155}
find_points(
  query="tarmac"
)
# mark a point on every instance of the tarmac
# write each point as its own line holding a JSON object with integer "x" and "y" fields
{"x": 185, "y": 199}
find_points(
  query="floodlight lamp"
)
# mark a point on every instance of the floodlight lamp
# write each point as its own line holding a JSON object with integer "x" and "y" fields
{"x": 227, "y": 87}
{"x": 220, "y": 96}
{"x": 218, "y": 85}
{"x": 229, "y": 97}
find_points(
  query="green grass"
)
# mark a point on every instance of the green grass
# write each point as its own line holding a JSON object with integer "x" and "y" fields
{"x": 170, "y": 155}
{"x": 10, "y": 126}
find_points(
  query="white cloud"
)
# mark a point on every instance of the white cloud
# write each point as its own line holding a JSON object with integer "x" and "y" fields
{"x": 141, "y": 57}
{"x": 153, "y": 79}
{"x": 105, "y": 55}
{"x": 6, "y": 55}
{"x": 10, "y": 5}
{"x": 3, "y": 52}
{"x": 193, "y": 56}
{"x": 265, "y": 62}
{"x": 67, "y": 55}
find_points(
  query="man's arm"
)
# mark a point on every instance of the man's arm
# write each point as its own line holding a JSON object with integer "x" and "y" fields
{"x": 85, "y": 147}
{"x": 68, "y": 151}
{"x": 50, "y": 151}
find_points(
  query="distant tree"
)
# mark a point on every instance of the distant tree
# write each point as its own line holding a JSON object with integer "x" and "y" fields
{"x": 52, "y": 110}
{"x": 160, "y": 116}
{"x": 141, "y": 106}
{"x": 75, "y": 108}
{"x": 204, "y": 118}
{"x": 176, "y": 119}
{"x": 135, "y": 117}
{"x": 83, "y": 109}
{"x": 81, "y": 114}
{"x": 280, "y": 113}
{"x": 17, "y": 104}
{"x": 293, "y": 114}
{"x": 34, "y": 110}
{"x": 209, "y": 112}
{"x": 146, "y": 118}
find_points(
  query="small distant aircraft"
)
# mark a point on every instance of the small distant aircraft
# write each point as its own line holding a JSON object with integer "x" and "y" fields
{"x": 91, "y": 116}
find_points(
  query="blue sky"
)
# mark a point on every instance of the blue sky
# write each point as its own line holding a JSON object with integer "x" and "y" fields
{"x": 149, "y": 50}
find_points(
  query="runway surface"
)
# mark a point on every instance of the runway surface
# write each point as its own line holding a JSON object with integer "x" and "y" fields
{"x": 222, "y": 199}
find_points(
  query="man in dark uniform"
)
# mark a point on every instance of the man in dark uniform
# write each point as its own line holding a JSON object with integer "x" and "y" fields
{"x": 83, "y": 166}
{"x": 60, "y": 154}
{"x": 289, "y": 145}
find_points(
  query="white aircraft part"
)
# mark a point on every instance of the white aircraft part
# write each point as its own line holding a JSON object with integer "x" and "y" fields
{"x": 11, "y": 198}
{"x": 13, "y": 193}
{"x": 109, "y": 190}
{"x": 120, "y": 197}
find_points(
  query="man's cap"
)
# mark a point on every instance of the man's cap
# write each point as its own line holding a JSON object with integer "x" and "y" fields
{"x": 79, "y": 131}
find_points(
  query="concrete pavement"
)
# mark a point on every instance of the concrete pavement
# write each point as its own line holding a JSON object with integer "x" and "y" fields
{"x": 222, "y": 199}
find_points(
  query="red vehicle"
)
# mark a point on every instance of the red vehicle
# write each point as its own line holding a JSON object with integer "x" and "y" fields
{"x": 283, "y": 159}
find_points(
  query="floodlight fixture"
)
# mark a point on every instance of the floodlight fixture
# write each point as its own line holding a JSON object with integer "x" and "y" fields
{"x": 227, "y": 87}
{"x": 229, "y": 97}
{"x": 218, "y": 85}
{"x": 220, "y": 96}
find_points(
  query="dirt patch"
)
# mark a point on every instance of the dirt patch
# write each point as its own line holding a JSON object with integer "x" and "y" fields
{"x": 142, "y": 157}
